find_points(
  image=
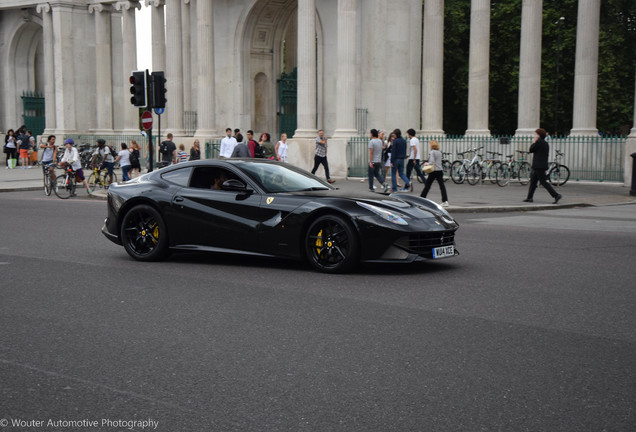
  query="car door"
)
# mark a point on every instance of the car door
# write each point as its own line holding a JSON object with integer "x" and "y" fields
{"x": 202, "y": 216}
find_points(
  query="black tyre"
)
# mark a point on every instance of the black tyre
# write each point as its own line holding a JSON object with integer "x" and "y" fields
{"x": 93, "y": 182}
{"x": 331, "y": 244}
{"x": 143, "y": 234}
{"x": 474, "y": 174}
{"x": 503, "y": 175}
{"x": 524, "y": 173}
{"x": 48, "y": 188}
{"x": 457, "y": 172}
{"x": 106, "y": 179}
{"x": 64, "y": 187}
{"x": 491, "y": 174}
{"x": 559, "y": 175}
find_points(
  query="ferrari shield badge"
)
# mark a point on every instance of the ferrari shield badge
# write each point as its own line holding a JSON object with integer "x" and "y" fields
{"x": 270, "y": 200}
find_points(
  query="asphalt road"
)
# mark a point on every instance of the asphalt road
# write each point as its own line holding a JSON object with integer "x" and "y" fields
{"x": 532, "y": 328}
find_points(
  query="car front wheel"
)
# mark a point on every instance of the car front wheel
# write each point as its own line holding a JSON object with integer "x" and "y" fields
{"x": 143, "y": 234}
{"x": 331, "y": 245}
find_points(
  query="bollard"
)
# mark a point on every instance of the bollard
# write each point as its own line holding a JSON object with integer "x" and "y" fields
{"x": 632, "y": 192}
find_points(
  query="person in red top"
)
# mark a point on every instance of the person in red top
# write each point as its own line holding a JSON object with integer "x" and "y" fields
{"x": 251, "y": 142}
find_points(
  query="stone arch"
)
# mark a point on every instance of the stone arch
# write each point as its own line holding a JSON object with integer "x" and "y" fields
{"x": 26, "y": 65}
{"x": 261, "y": 33}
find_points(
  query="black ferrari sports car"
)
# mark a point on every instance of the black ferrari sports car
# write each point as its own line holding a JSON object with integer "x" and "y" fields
{"x": 260, "y": 207}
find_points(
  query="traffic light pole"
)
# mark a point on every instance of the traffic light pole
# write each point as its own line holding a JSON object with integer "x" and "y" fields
{"x": 151, "y": 151}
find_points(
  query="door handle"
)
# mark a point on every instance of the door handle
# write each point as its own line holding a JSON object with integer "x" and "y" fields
{"x": 178, "y": 199}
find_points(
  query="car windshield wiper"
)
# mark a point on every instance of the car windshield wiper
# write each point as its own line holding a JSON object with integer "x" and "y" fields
{"x": 315, "y": 188}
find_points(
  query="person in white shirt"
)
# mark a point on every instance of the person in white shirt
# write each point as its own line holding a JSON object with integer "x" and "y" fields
{"x": 414, "y": 157}
{"x": 71, "y": 157}
{"x": 123, "y": 157}
{"x": 227, "y": 145}
{"x": 281, "y": 148}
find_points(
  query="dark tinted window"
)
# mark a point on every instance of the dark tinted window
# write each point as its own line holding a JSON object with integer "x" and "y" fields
{"x": 179, "y": 177}
{"x": 210, "y": 177}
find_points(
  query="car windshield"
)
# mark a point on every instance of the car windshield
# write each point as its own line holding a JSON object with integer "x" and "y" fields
{"x": 276, "y": 178}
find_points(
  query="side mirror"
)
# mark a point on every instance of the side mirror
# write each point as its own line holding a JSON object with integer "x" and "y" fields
{"x": 234, "y": 185}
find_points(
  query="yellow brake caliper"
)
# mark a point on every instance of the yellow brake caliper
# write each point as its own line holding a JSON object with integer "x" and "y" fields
{"x": 155, "y": 234}
{"x": 319, "y": 242}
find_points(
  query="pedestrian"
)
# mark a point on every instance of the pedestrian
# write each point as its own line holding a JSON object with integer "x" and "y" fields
{"x": 253, "y": 145}
{"x": 22, "y": 141}
{"x": 168, "y": 151}
{"x": 123, "y": 157}
{"x": 106, "y": 156}
{"x": 227, "y": 145}
{"x": 435, "y": 159}
{"x": 386, "y": 153}
{"x": 281, "y": 148}
{"x": 268, "y": 148}
{"x": 398, "y": 154}
{"x": 71, "y": 157}
{"x": 375, "y": 161}
{"x": 182, "y": 156}
{"x": 241, "y": 150}
{"x": 541, "y": 151}
{"x": 135, "y": 155}
{"x": 195, "y": 151}
{"x": 320, "y": 155}
{"x": 49, "y": 156}
{"x": 414, "y": 156}
{"x": 10, "y": 148}
{"x": 33, "y": 149}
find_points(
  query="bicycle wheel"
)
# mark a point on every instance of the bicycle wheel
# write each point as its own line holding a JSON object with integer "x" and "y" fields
{"x": 559, "y": 175}
{"x": 491, "y": 174}
{"x": 474, "y": 174}
{"x": 47, "y": 183}
{"x": 94, "y": 182}
{"x": 503, "y": 175}
{"x": 446, "y": 170}
{"x": 457, "y": 173}
{"x": 64, "y": 187}
{"x": 106, "y": 180}
{"x": 524, "y": 173}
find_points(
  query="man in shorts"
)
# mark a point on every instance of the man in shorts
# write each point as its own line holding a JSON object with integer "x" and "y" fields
{"x": 49, "y": 156}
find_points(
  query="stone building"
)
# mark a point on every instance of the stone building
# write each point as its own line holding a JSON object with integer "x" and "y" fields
{"x": 269, "y": 65}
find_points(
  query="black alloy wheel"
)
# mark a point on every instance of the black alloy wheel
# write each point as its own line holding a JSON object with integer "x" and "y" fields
{"x": 331, "y": 244}
{"x": 143, "y": 234}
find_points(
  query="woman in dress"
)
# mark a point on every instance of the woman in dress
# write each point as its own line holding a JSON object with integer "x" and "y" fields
{"x": 195, "y": 151}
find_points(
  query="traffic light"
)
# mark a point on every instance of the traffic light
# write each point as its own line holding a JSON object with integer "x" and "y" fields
{"x": 138, "y": 88}
{"x": 159, "y": 90}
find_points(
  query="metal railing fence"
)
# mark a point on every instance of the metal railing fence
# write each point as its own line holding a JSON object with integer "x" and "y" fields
{"x": 212, "y": 148}
{"x": 592, "y": 158}
{"x": 190, "y": 122}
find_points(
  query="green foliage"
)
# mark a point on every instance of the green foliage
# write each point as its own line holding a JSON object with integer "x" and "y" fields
{"x": 617, "y": 45}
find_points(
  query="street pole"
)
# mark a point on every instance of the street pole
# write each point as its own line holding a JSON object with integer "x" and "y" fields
{"x": 151, "y": 151}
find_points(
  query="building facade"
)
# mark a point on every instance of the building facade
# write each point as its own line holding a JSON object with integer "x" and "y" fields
{"x": 269, "y": 65}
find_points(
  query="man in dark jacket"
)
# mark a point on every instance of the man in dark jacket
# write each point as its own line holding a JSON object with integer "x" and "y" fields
{"x": 541, "y": 151}
{"x": 398, "y": 154}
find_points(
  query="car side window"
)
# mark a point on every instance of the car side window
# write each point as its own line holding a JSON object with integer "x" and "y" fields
{"x": 211, "y": 177}
{"x": 179, "y": 176}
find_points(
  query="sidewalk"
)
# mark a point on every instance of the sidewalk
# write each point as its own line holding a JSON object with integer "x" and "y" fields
{"x": 484, "y": 197}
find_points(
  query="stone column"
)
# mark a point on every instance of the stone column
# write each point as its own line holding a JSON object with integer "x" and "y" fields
{"x": 306, "y": 104}
{"x": 103, "y": 73}
{"x": 478, "y": 68}
{"x": 49, "y": 71}
{"x": 205, "y": 51}
{"x": 187, "y": 61}
{"x": 174, "y": 69}
{"x": 529, "y": 105}
{"x": 129, "y": 36}
{"x": 158, "y": 34}
{"x": 63, "y": 55}
{"x": 346, "y": 85}
{"x": 433, "y": 68}
{"x": 586, "y": 69}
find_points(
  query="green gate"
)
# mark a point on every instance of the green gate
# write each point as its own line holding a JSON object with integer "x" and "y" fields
{"x": 33, "y": 104}
{"x": 287, "y": 95}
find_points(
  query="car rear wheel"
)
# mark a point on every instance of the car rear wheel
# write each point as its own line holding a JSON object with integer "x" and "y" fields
{"x": 143, "y": 234}
{"x": 331, "y": 245}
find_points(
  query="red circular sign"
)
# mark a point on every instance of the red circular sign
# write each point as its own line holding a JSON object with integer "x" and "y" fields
{"x": 146, "y": 120}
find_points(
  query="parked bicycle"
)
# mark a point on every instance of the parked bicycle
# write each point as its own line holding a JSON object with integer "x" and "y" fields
{"x": 514, "y": 170}
{"x": 65, "y": 184}
{"x": 490, "y": 166}
{"x": 48, "y": 180}
{"x": 99, "y": 178}
{"x": 467, "y": 169}
{"x": 558, "y": 173}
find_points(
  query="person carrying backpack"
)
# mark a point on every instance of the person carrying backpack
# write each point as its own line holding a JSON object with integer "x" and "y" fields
{"x": 168, "y": 151}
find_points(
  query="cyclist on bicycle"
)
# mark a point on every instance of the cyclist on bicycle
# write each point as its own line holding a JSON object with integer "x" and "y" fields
{"x": 71, "y": 157}
{"x": 49, "y": 156}
{"x": 107, "y": 158}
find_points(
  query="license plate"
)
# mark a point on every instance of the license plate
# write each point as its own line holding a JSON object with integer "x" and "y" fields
{"x": 443, "y": 252}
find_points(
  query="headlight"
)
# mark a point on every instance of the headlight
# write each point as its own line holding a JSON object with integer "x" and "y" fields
{"x": 396, "y": 218}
